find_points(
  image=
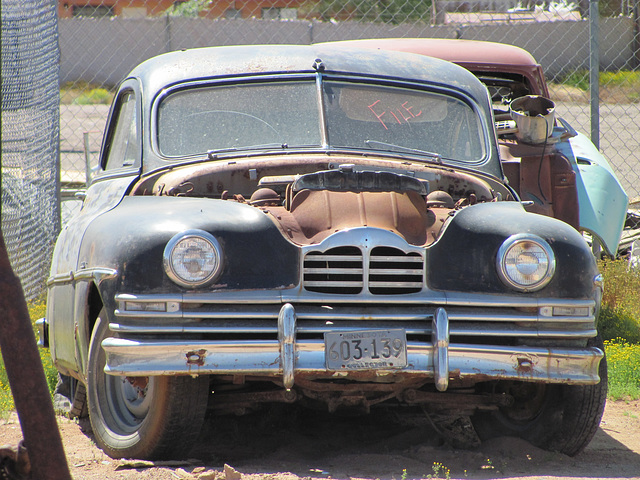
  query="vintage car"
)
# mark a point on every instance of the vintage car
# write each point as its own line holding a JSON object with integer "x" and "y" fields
{"x": 326, "y": 225}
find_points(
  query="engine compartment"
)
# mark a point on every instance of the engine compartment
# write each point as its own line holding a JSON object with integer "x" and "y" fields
{"x": 310, "y": 198}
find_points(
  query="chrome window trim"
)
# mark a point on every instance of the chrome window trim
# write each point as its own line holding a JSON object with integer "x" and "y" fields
{"x": 208, "y": 82}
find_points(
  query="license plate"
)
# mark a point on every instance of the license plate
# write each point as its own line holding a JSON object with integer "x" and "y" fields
{"x": 366, "y": 349}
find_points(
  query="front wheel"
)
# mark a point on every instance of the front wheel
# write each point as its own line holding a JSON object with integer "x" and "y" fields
{"x": 560, "y": 418}
{"x": 142, "y": 417}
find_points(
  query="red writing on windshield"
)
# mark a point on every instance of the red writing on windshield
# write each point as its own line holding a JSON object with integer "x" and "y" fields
{"x": 401, "y": 114}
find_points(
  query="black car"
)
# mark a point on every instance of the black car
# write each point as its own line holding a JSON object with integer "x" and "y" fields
{"x": 323, "y": 225}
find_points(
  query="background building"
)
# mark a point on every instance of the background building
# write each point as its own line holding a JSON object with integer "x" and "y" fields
{"x": 264, "y": 9}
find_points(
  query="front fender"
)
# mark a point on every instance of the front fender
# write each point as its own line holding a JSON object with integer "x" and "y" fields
{"x": 131, "y": 240}
{"x": 464, "y": 257}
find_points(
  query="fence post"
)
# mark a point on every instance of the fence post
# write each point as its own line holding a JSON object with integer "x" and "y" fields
{"x": 594, "y": 70}
{"x": 636, "y": 34}
{"x": 168, "y": 47}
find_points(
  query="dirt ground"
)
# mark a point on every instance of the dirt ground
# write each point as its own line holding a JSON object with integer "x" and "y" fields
{"x": 304, "y": 445}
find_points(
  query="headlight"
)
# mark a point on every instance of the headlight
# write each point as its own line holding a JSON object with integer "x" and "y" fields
{"x": 193, "y": 258}
{"x": 525, "y": 262}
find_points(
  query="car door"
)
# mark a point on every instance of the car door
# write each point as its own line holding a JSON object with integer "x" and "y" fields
{"x": 69, "y": 283}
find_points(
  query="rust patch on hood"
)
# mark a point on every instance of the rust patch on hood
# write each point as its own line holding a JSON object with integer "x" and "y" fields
{"x": 316, "y": 214}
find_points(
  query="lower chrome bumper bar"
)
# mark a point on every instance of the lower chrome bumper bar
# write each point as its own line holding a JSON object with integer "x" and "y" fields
{"x": 287, "y": 356}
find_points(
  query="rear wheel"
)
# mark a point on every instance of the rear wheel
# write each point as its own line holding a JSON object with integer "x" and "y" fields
{"x": 142, "y": 417}
{"x": 561, "y": 418}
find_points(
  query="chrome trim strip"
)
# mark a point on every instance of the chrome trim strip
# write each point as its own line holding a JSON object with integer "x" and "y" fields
{"x": 192, "y": 329}
{"x": 323, "y": 113}
{"x": 481, "y": 313}
{"x": 152, "y": 298}
{"x": 455, "y": 330}
{"x": 96, "y": 274}
{"x": 297, "y": 296}
{"x": 329, "y": 315}
{"x": 60, "y": 279}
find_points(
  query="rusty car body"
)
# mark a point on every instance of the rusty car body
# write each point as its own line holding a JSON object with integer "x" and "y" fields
{"x": 328, "y": 225}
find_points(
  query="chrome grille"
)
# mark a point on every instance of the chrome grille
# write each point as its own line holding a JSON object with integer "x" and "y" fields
{"x": 346, "y": 270}
{"x": 391, "y": 271}
{"x": 338, "y": 270}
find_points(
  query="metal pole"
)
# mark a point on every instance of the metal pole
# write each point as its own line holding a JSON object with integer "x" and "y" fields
{"x": 594, "y": 70}
{"x": 28, "y": 382}
{"x": 168, "y": 47}
{"x": 636, "y": 33}
{"x": 87, "y": 158}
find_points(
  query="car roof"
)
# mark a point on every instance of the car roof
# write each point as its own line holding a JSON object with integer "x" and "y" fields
{"x": 231, "y": 61}
{"x": 474, "y": 55}
{"x": 454, "y": 50}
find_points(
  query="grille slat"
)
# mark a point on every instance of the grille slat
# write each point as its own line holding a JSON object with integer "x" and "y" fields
{"x": 404, "y": 259}
{"x": 396, "y": 271}
{"x": 333, "y": 258}
{"x": 396, "y": 284}
{"x": 329, "y": 283}
{"x": 350, "y": 271}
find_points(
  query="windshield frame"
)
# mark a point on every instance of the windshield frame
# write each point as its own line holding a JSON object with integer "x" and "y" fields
{"x": 320, "y": 78}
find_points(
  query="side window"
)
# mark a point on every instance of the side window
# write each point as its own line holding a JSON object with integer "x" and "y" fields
{"x": 123, "y": 146}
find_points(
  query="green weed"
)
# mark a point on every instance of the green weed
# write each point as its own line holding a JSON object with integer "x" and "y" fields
{"x": 620, "y": 312}
{"x": 578, "y": 79}
{"x": 83, "y": 93}
{"x": 623, "y": 361}
{"x": 96, "y": 96}
{"x": 620, "y": 78}
{"x": 439, "y": 471}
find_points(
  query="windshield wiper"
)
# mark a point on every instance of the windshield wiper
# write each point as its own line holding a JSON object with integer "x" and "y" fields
{"x": 435, "y": 156}
{"x": 213, "y": 153}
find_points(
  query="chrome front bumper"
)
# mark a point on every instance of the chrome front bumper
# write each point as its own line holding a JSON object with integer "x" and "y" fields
{"x": 288, "y": 356}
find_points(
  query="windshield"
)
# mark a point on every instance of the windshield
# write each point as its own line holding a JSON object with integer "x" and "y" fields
{"x": 402, "y": 120}
{"x": 203, "y": 119}
{"x": 360, "y": 116}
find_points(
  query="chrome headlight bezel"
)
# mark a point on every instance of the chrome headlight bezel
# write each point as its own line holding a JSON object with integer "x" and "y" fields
{"x": 212, "y": 258}
{"x": 525, "y": 276}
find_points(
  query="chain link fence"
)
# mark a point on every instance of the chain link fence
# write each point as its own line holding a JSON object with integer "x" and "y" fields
{"x": 30, "y": 133}
{"x": 101, "y": 41}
